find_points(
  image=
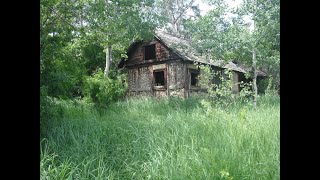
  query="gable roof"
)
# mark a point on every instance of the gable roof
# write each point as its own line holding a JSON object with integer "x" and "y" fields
{"x": 184, "y": 49}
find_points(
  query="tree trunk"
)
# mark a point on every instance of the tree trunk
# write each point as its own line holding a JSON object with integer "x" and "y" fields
{"x": 254, "y": 61}
{"x": 108, "y": 59}
{"x": 174, "y": 28}
{"x": 254, "y": 83}
{"x": 81, "y": 18}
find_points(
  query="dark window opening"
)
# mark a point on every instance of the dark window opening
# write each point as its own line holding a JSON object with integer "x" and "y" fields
{"x": 159, "y": 78}
{"x": 194, "y": 77}
{"x": 194, "y": 80}
{"x": 150, "y": 52}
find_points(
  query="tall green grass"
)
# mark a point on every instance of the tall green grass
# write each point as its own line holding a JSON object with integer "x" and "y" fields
{"x": 145, "y": 138}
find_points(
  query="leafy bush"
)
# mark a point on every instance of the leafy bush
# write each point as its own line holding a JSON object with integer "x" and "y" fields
{"x": 103, "y": 90}
{"x": 262, "y": 84}
{"x": 50, "y": 110}
{"x": 272, "y": 89}
{"x": 222, "y": 93}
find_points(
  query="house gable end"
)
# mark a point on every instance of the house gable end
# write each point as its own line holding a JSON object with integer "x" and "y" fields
{"x": 137, "y": 54}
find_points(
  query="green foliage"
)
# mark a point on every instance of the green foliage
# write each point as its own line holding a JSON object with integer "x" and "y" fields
{"x": 262, "y": 84}
{"x": 208, "y": 33}
{"x": 93, "y": 56}
{"x": 268, "y": 86}
{"x": 173, "y": 14}
{"x": 73, "y": 37}
{"x": 272, "y": 88}
{"x": 63, "y": 76}
{"x": 232, "y": 39}
{"x": 225, "y": 175}
{"x": 118, "y": 22}
{"x": 103, "y": 90}
{"x": 220, "y": 91}
{"x": 50, "y": 111}
{"x": 149, "y": 138}
{"x": 266, "y": 35}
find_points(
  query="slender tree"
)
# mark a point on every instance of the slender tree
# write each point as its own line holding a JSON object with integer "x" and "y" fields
{"x": 265, "y": 35}
{"x": 174, "y": 12}
{"x": 117, "y": 23}
{"x": 232, "y": 39}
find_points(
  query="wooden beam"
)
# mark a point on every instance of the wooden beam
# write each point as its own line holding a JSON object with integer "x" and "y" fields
{"x": 167, "y": 79}
{"x": 151, "y": 80}
{"x": 186, "y": 80}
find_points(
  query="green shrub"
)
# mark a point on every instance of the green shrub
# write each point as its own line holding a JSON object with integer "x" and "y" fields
{"x": 271, "y": 89}
{"x": 222, "y": 93}
{"x": 50, "y": 110}
{"x": 262, "y": 84}
{"x": 103, "y": 90}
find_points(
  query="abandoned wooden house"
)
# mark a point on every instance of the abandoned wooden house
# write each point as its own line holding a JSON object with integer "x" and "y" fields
{"x": 165, "y": 66}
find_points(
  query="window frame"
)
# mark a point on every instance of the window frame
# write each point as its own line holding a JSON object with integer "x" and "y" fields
{"x": 162, "y": 87}
{"x": 197, "y": 72}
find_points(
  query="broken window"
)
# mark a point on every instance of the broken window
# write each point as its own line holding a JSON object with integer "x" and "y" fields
{"x": 150, "y": 52}
{"x": 159, "y": 78}
{"x": 194, "y": 77}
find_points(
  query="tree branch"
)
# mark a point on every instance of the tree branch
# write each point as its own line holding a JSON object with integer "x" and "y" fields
{"x": 183, "y": 10}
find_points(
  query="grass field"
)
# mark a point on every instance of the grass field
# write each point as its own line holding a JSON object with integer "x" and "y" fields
{"x": 162, "y": 139}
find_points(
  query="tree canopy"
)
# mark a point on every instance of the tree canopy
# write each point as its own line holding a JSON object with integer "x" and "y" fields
{"x": 75, "y": 35}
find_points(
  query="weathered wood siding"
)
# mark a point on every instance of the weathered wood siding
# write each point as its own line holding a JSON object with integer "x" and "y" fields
{"x": 176, "y": 78}
{"x": 177, "y": 72}
{"x": 136, "y": 57}
{"x": 160, "y": 93}
{"x": 139, "y": 79}
{"x": 176, "y": 75}
{"x": 140, "y": 71}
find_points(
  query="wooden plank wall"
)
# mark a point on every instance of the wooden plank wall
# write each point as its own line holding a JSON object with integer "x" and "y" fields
{"x": 176, "y": 78}
{"x": 139, "y": 79}
{"x": 162, "y": 53}
{"x": 137, "y": 55}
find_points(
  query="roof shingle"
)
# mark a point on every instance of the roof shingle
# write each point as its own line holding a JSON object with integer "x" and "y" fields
{"x": 184, "y": 49}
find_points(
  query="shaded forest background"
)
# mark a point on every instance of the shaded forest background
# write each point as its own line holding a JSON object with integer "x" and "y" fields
{"x": 74, "y": 36}
{"x": 86, "y": 134}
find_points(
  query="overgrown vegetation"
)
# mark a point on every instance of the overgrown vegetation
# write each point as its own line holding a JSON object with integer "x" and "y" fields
{"x": 163, "y": 139}
{"x": 104, "y": 90}
{"x": 219, "y": 84}
{"x": 98, "y": 91}
{"x": 87, "y": 133}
